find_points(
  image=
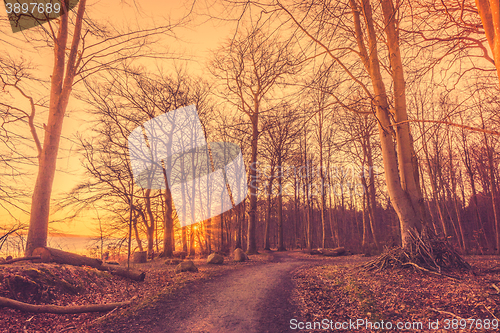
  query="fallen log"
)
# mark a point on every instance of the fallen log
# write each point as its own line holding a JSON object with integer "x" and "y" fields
{"x": 333, "y": 252}
{"x": 48, "y": 254}
{"x": 123, "y": 271}
{"x": 10, "y": 303}
{"x": 19, "y": 259}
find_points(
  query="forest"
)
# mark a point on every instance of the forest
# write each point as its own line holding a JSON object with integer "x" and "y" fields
{"x": 367, "y": 129}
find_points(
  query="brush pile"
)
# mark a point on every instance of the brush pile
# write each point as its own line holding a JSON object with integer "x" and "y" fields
{"x": 427, "y": 254}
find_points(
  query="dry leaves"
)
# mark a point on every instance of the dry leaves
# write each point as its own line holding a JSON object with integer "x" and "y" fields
{"x": 343, "y": 292}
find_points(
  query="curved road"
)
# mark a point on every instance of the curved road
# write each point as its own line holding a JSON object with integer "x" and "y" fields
{"x": 255, "y": 298}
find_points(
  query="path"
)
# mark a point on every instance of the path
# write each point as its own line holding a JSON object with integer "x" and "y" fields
{"x": 252, "y": 299}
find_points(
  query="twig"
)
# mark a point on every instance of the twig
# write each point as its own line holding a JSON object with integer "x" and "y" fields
{"x": 107, "y": 314}
{"x": 496, "y": 288}
{"x": 491, "y": 313}
{"x": 431, "y": 272}
{"x": 446, "y": 312}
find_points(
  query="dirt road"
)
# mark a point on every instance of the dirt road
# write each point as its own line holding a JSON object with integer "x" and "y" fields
{"x": 252, "y": 299}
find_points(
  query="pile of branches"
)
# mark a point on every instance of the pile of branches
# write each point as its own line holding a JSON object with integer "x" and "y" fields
{"x": 429, "y": 254}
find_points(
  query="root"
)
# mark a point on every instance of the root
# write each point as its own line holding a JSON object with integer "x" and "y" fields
{"x": 425, "y": 254}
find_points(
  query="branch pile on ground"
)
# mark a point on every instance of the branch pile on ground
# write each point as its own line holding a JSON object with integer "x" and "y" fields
{"x": 428, "y": 254}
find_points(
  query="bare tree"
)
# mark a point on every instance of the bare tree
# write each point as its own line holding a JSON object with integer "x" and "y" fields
{"x": 251, "y": 66}
{"x": 81, "y": 48}
{"x": 399, "y": 162}
{"x": 282, "y": 129}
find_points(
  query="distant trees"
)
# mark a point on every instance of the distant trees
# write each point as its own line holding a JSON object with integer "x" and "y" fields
{"x": 251, "y": 67}
{"x": 282, "y": 126}
{"x": 306, "y": 126}
{"x": 121, "y": 101}
{"x": 394, "y": 131}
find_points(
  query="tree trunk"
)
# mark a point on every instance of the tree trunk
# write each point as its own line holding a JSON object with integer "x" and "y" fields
{"x": 67, "y": 258}
{"x": 399, "y": 168}
{"x": 281, "y": 245}
{"x": 241, "y": 215}
{"x": 364, "y": 239}
{"x": 331, "y": 218}
{"x": 208, "y": 235}
{"x": 470, "y": 173}
{"x": 267, "y": 224}
{"x": 168, "y": 232}
{"x": 251, "y": 241}
{"x": 453, "y": 178}
{"x": 60, "y": 91}
{"x": 493, "y": 191}
{"x": 222, "y": 246}
{"x": 434, "y": 186}
{"x": 191, "y": 241}
{"x": 296, "y": 203}
{"x": 489, "y": 11}
{"x": 150, "y": 226}
{"x": 184, "y": 240}
{"x": 137, "y": 237}
{"x": 62, "y": 257}
{"x": 371, "y": 202}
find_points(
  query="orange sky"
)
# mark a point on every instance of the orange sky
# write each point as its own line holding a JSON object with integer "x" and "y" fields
{"x": 195, "y": 42}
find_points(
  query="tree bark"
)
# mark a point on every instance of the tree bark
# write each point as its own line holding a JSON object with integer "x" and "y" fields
{"x": 371, "y": 202}
{"x": 168, "y": 232}
{"x": 493, "y": 192}
{"x": 137, "y": 236}
{"x": 150, "y": 226}
{"x": 62, "y": 257}
{"x": 60, "y": 90}
{"x": 251, "y": 241}
{"x": 281, "y": 245}
{"x": 398, "y": 167}
{"x": 489, "y": 11}
{"x": 322, "y": 180}
{"x": 191, "y": 241}
{"x": 267, "y": 245}
{"x": 11, "y": 261}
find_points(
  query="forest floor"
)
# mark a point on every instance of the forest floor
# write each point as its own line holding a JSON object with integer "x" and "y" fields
{"x": 407, "y": 300}
{"x": 273, "y": 292}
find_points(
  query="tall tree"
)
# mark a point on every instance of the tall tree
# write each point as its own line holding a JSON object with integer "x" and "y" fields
{"x": 394, "y": 131}
{"x": 251, "y": 66}
{"x": 81, "y": 48}
{"x": 282, "y": 129}
{"x": 61, "y": 85}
